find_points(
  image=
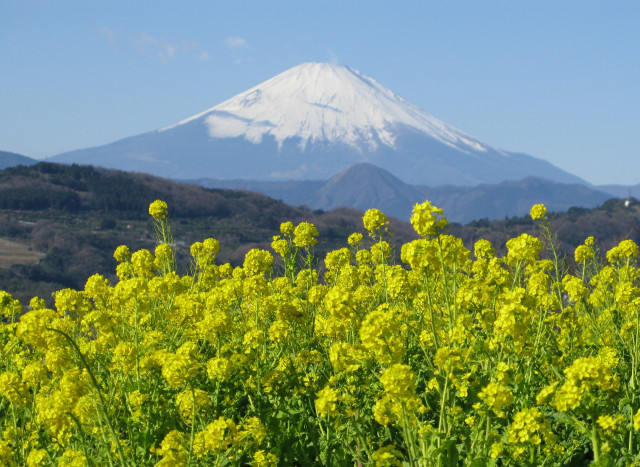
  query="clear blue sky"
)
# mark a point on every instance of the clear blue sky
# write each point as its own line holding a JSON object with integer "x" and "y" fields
{"x": 557, "y": 79}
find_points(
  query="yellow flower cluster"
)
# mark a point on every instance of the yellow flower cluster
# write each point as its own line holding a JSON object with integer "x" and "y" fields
{"x": 584, "y": 252}
{"x": 387, "y": 456}
{"x": 158, "y": 209}
{"x": 524, "y": 248}
{"x": 9, "y": 307}
{"x": 304, "y": 235}
{"x": 496, "y": 397}
{"x": 427, "y": 219}
{"x": 538, "y": 211}
{"x": 583, "y": 375}
{"x": 529, "y": 426}
{"x": 380, "y": 334}
{"x": 609, "y": 423}
{"x": 327, "y": 402}
{"x": 626, "y": 250}
{"x": 375, "y": 222}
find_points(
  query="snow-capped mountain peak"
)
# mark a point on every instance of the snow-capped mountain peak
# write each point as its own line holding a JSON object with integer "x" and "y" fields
{"x": 309, "y": 123}
{"x": 322, "y": 102}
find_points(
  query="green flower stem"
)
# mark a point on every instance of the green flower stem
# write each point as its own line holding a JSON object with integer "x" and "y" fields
{"x": 445, "y": 284}
{"x": 488, "y": 428}
{"x": 441, "y": 421}
{"x": 383, "y": 262}
{"x": 595, "y": 443}
{"x": 431, "y": 312}
{"x": 137, "y": 344}
{"x": 81, "y": 431}
{"x": 105, "y": 440}
{"x": 477, "y": 434}
{"x": 359, "y": 438}
{"x": 193, "y": 426}
{"x": 164, "y": 235}
{"x": 15, "y": 425}
{"x": 556, "y": 260}
{"x": 517, "y": 270}
{"x": 327, "y": 447}
{"x": 98, "y": 389}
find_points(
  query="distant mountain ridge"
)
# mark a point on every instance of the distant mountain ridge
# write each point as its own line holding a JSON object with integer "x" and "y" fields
{"x": 11, "y": 159}
{"x": 513, "y": 198}
{"x": 309, "y": 123}
{"x": 364, "y": 186}
{"x": 621, "y": 191}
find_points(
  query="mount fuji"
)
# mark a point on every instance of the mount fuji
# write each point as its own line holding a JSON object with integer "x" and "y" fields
{"x": 309, "y": 123}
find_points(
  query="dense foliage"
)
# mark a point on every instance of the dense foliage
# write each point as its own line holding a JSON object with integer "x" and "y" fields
{"x": 452, "y": 359}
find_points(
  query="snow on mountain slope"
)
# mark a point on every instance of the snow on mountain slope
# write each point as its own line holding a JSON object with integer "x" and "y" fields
{"x": 325, "y": 102}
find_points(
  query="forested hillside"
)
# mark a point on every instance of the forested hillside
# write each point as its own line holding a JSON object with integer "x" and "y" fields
{"x": 71, "y": 218}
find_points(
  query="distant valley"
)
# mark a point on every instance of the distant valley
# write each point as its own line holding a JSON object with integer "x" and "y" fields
{"x": 364, "y": 186}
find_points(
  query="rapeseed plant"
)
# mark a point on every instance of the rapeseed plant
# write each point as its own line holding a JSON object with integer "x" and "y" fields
{"x": 418, "y": 354}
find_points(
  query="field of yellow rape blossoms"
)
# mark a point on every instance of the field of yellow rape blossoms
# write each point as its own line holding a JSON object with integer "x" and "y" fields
{"x": 428, "y": 354}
